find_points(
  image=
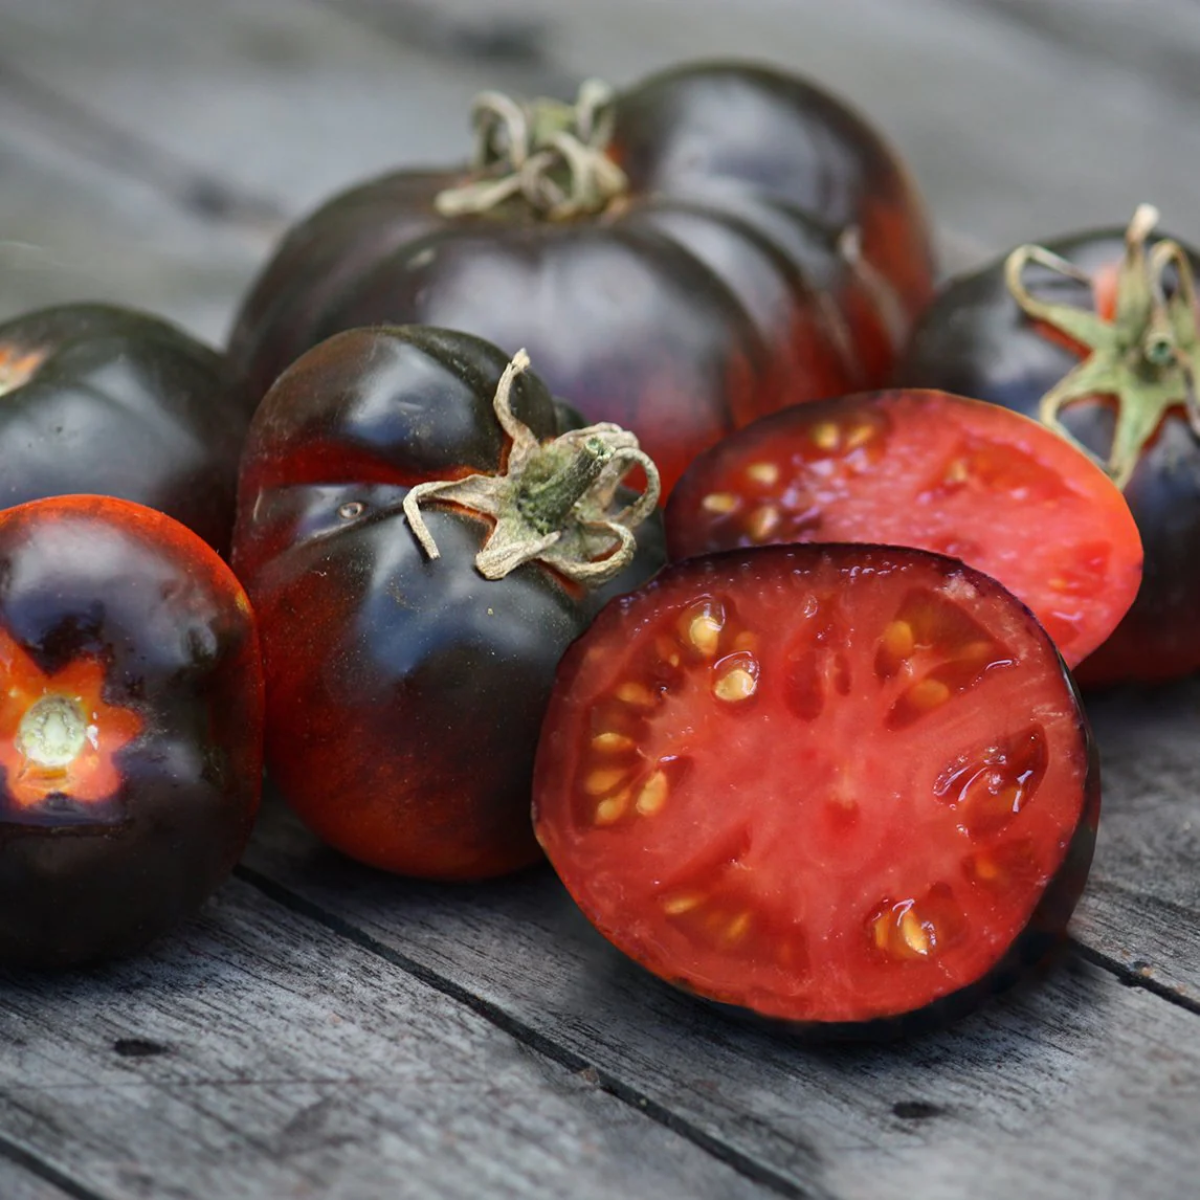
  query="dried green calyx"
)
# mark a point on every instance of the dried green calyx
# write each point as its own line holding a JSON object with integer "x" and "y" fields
{"x": 556, "y": 502}
{"x": 1146, "y": 357}
{"x": 550, "y": 154}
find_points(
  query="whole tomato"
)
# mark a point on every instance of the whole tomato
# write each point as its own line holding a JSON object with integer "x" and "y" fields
{"x": 1098, "y": 336}
{"x": 719, "y": 241}
{"x": 130, "y": 727}
{"x": 120, "y": 403}
{"x": 421, "y": 541}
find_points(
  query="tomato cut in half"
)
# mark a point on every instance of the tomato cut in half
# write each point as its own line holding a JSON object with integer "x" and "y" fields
{"x": 931, "y": 470}
{"x": 847, "y": 787}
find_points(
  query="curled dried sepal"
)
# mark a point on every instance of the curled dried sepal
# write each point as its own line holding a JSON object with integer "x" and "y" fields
{"x": 555, "y": 501}
{"x": 551, "y": 154}
{"x": 1147, "y": 357}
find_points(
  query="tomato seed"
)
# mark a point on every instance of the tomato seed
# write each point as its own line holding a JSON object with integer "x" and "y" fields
{"x": 612, "y": 743}
{"x": 826, "y": 435}
{"x": 762, "y": 523}
{"x": 719, "y": 503}
{"x": 612, "y": 809}
{"x": 636, "y": 695}
{"x": 735, "y": 684}
{"x": 603, "y": 780}
{"x": 898, "y": 639}
{"x": 676, "y": 906}
{"x": 653, "y": 794}
{"x": 765, "y": 473}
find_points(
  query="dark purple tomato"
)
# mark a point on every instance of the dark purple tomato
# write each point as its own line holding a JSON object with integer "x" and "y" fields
{"x": 422, "y": 541}
{"x": 130, "y": 727}
{"x": 849, "y": 788}
{"x": 110, "y": 401}
{"x": 709, "y": 245}
{"x": 1097, "y": 335}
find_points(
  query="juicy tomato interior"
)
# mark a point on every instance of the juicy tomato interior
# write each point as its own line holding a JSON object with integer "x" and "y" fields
{"x": 935, "y": 471}
{"x": 828, "y": 784}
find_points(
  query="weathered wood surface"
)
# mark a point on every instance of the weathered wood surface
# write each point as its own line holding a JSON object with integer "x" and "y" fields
{"x": 323, "y": 1030}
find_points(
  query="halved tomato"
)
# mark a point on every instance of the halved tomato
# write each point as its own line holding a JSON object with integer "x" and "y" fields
{"x": 932, "y": 470}
{"x": 849, "y": 787}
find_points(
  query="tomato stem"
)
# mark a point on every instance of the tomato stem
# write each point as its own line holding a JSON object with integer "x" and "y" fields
{"x": 555, "y": 502}
{"x": 1147, "y": 356}
{"x": 550, "y": 154}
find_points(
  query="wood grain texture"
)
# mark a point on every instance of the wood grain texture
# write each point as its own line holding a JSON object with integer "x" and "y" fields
{"x": 1142, "y": 906}
{"x": 19, "y": 1183}
{"x": 1079, "y": 1082}
{"x": 258, "y": 1054}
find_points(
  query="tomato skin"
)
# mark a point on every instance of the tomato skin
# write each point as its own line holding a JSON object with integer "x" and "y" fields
{"x": 404, "y": 694}
{"x": 924, "y": 468}
{"x": 717, "y": 288}
{"x": 116, "y": 402}
{"x": 974, "y": 340}
{"x": 707, "y": 879}
{"x": 124, "y": 607}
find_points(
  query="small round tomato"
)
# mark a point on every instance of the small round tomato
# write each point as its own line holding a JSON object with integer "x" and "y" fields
{"x": 1098, "y": 336}
{"x": 717, "y": 241}
{"x": 926, "y": 469}
{"x": 130, "y": 727}
{"x": 847, "y": 787}
{"x": 120, "y": 403}
{"x": 421, "y": 542}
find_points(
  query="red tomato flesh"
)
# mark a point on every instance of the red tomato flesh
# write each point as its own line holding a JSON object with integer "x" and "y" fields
{"x": 927, "y": 469}
{"x": 831, "y": 784}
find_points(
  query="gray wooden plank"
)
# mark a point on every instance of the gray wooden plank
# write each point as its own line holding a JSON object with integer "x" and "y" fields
{"x": 1013, "y": 134}
{"x": 1142, "y": 907}
{"x": 1077, "y": 1086}
{"x": 19, "y": 1183}
{"x": 73, "y": 229}
{"x": 257, "y": 1054}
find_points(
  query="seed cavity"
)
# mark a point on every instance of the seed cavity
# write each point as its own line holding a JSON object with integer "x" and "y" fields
{"x": 917, "y": 929}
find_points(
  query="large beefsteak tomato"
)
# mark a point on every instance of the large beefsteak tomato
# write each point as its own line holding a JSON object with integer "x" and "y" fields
{"x": 718, "y": 241}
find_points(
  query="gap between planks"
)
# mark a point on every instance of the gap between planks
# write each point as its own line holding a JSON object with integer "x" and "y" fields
{"x": 521, "y": 1032}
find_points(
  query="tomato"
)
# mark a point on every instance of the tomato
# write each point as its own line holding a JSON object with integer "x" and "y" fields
{"x": 130, "y": 727}
{"x": 1097, "y": 335}
{"x": 846, "y": 787}
{"x": 714, "y": 243}
{"x": 927, "y": 469}
{"x": 421, "y": 545}
{"x": 120, "y": 403}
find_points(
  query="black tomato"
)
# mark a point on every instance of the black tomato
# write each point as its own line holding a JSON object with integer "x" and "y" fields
{"x": 848, "y": 788}
{"x": 1097, "y": 335}
{"x": 712, "y": 244}
{"x": 421, "y": 541}
{"x": 120, "y": 403}
{"x": 130, "y": 727}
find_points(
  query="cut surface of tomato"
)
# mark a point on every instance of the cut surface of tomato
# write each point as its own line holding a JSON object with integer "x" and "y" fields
{"x": 831, "y": 784}
{"x": 932, "y": 470}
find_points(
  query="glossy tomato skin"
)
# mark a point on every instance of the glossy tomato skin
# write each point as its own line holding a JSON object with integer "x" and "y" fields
{"x": 404, "y": 694}
{"x": 718, "y": 287}
{"x": 130, "y": 627}
{"x": 117, "y": 402}
{"x": 751, "y": 838}
{"x": 923, "y": 468}
{"x": 975, "y": 341}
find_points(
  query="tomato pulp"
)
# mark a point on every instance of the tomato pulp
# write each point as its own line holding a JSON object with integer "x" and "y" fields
{"x": 849, "y": 787}
{"x": 927, "y": 469}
